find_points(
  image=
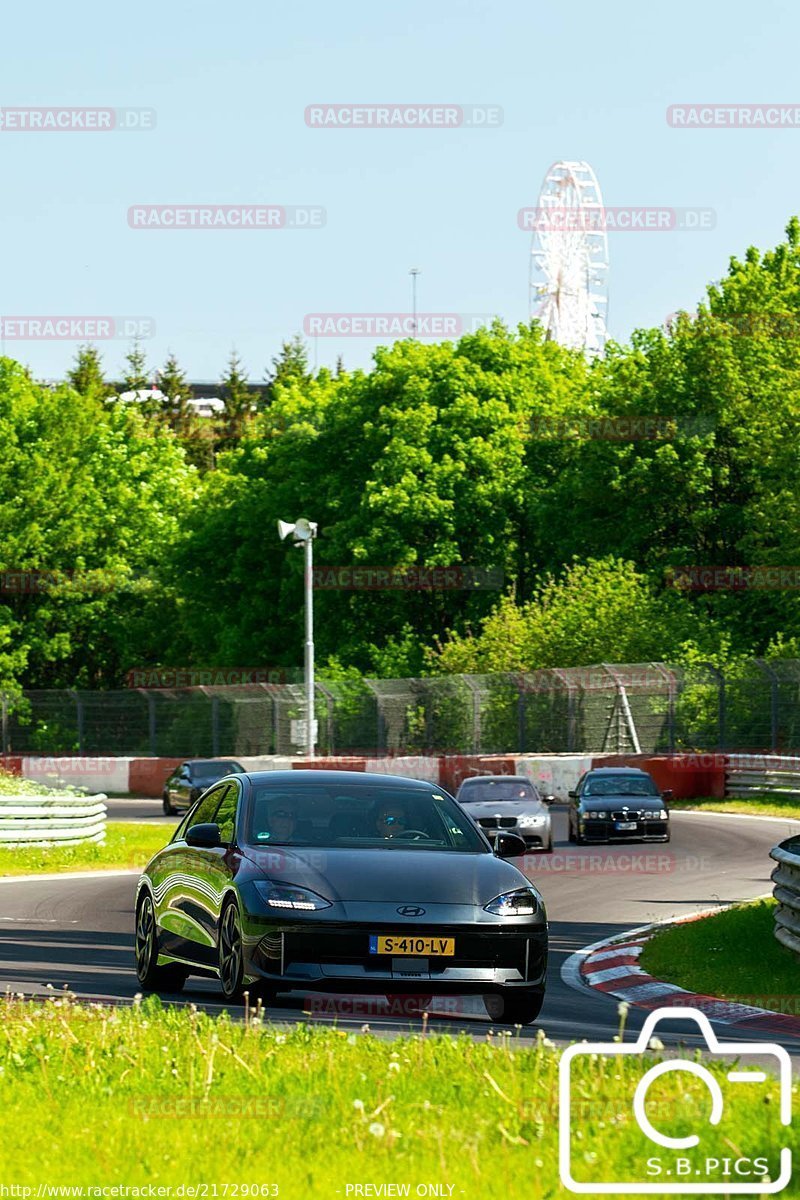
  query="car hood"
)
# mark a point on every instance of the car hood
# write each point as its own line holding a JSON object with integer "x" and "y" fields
{"x": 389, "y": 876}
{"x": 504, "y": 808}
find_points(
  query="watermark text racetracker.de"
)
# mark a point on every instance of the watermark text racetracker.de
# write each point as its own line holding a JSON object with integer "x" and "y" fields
{"x": 77, "y": 120}
{"x": 457, "y": 577}
{"x": 75, "y": 328}
{"x": 620, "y": 219}
{"x": 698, "y": 578}
{"x": 403, "y": 116}
{"x": 393, "y": 324}
{"x": 618, "y": 863}
{"x": 226, "y": 216}
{"x": 734, "y": 116}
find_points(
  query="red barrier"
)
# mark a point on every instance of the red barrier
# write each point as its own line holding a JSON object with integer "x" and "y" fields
{"x": 342, "y": 763}
{"x": 685, "y": 774}
{"x": 11, "y": 763}
{"x": 147, "y": 776}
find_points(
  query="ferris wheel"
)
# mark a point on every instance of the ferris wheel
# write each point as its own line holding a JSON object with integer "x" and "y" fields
{"x": 569, "y": 258}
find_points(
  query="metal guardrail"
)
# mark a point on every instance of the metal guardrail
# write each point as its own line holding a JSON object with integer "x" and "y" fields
{"x": 751, "y": 782}
{"x": 52, "y": 820}
{"x": 786, "y": 878}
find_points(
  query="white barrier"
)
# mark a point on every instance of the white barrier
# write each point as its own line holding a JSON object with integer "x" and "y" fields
{"x": 100, "y": 772}
{"x": 555, "y": 773}
{"x": 52, "y": 820}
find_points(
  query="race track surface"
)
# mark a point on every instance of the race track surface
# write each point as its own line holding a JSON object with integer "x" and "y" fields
{"x": 78, "y": 932}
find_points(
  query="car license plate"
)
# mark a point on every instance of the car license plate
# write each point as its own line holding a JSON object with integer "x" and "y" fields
{"x": 403, "y": 944}
{"x": 625, "y": 826}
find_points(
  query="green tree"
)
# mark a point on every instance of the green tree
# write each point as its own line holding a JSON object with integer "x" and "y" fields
{"x": 136, "y": 376}
{"x": 86, "y": 373}
{"x": 238, "y": 398}
{"x": 103, "y": 504}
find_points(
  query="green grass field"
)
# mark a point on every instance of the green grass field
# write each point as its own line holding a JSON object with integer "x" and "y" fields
{"x": 127, "y": 844}
{"x": 753, "y": 806}
{"x": 732, "y": 954}
{"x": 94, "y": 1096}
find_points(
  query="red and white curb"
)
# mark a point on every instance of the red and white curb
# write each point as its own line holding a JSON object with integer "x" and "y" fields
{"x": 612, "y": 968}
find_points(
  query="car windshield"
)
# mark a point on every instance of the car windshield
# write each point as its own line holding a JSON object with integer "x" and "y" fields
{"x": 496, "y": 789}
{"x": 375, "y": 816}
{"x": 214, "y": 770}
{"x": 620, "y": 785}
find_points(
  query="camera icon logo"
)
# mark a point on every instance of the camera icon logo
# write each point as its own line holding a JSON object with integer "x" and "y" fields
{"x": 673, "y": 1140}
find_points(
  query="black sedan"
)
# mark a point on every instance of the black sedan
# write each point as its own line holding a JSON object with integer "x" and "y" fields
{"x": 188, "y": 781}
{"x": 339, "y": 881}
{"x": 618, "y": 804}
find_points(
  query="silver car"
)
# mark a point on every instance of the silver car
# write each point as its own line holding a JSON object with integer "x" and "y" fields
{"x": 509, "y": 804}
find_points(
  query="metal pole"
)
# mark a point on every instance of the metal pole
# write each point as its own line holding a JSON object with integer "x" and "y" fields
{"x": 309, "y": 655}
{"x": 414, "y": 272}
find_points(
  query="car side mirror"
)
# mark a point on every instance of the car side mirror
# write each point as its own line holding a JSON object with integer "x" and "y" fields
{"x": 548, "y": 799}
{"x": 573, "y": 795}
{"x": 667, "y": 794}
{"x": 206, "y": 836}
{"x": 509, "y": 845}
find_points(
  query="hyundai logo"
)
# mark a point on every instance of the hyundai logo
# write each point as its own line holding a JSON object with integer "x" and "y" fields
{"x": 410, "y": 910}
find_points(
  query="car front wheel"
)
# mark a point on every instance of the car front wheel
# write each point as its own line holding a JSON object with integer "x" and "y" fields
{"x": 513, "y": 1006}
{"x": 231, "y": 954}
{"x": 151, "y": 976}
{"x": 166, "y": 804}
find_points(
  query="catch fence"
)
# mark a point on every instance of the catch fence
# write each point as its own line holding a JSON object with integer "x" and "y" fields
{"x": 619, "y": 708}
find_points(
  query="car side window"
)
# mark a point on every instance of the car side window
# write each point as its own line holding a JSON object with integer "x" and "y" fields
{"x": 204, "y": 811}
{"x": 225, "y": 815}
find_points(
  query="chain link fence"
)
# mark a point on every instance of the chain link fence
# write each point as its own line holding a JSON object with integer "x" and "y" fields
{"x": 621, "y": 708}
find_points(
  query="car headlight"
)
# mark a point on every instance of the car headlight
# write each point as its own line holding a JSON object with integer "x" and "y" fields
{"x": 593, "y": 815}
{"x": 523, "y": 902}
{"x": 283, "y": 895}
{"x": 525, "y": 822}
{"x": 654, "y": 815}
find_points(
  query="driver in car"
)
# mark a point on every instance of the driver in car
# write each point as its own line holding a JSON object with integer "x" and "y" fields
{"x": 390, "y": 821}
{"x": 281, "y": 823}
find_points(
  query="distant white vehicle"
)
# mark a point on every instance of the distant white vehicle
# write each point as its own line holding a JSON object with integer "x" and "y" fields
{"x": 208, "y": 406}
{"x": 509, "y": 804}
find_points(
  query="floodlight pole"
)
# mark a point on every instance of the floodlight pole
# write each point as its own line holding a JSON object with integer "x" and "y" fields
{"x": 309, "y": 654}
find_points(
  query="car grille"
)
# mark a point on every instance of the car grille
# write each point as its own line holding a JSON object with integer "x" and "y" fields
{"x": 497, "y": 822}
{"x": 629, "y": 815}
{"x": 472, "y": 949}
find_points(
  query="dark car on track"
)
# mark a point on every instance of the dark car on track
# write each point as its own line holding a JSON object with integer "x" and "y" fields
{"x": 339, "y": 881}
{"x": 618, "y": 804}
{"x": 188, "y": 781}
{"x": 509, "y": 804}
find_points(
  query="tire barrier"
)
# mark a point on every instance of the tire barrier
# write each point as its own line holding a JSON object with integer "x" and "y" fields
{"x": 52, "y": 820}
{"x": 786, "y": 878}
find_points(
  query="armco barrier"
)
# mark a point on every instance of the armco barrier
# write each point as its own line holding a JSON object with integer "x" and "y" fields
{"x": 688, "y": 775}
{"x": 52, "y": 820}
{"x": 786, "y": 878}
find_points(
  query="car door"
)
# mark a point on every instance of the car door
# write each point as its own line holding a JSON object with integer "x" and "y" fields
{"x": 574, "y": 803}
{"x": 183, "y": 896}
{"x": 183, "y": 787}
{"x": 209, "y": 871}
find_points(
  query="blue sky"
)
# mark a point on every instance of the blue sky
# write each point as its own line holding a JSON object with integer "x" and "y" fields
{"x": 230, "y": 85}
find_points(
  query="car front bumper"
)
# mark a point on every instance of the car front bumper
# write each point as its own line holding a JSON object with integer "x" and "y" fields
{"x": 331, "y": 957}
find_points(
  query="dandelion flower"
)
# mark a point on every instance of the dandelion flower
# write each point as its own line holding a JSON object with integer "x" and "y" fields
{"x": 376, "y": 1129}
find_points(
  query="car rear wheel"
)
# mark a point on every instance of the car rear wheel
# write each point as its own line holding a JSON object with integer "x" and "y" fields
{"x": 231, "y": 954}
{"x": 514, "y": 1007}
{"x": 151, "y": 976}
{"x": 166, "y": 804}
{"x": 548, "y": 849}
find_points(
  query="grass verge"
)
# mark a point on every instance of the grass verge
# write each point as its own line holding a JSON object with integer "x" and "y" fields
{"x": 732, "y": 954}
{"x": 127, "y": 844}
{"x": 752, "y": 806}
{"x": 140, "y": 1096}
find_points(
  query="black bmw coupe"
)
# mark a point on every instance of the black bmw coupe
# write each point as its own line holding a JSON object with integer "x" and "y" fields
{"x": 339, "y": 881}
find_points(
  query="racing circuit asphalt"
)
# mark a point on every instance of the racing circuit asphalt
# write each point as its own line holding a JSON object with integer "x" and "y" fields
{"x": 78, "y": 932}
